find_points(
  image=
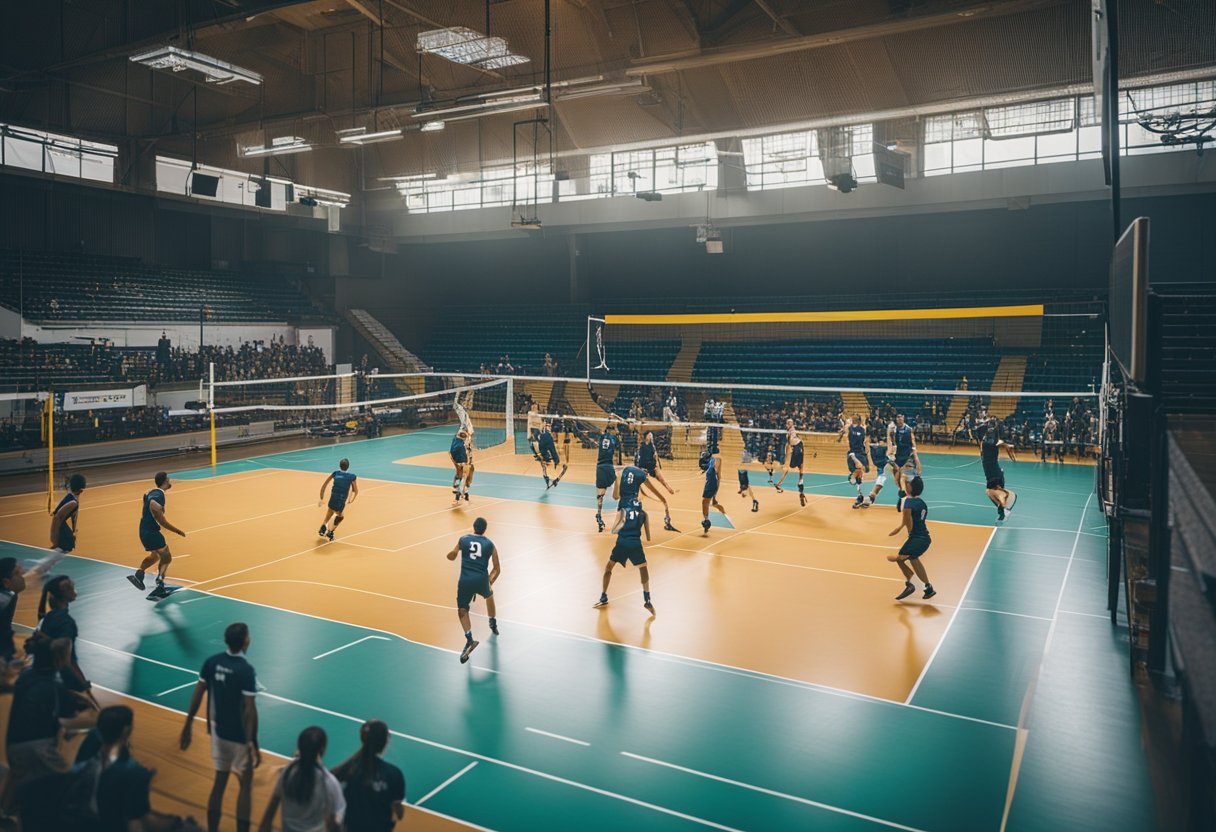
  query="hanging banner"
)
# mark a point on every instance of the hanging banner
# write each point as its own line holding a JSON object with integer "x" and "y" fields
{"x": 104, "y": 399}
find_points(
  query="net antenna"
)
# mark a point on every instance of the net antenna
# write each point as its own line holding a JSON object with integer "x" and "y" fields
{"x": 601, "y": 353}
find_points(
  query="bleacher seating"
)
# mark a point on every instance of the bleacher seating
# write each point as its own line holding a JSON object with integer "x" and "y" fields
{"x": 68, "y": 287}
{"x": 465, "y": 337}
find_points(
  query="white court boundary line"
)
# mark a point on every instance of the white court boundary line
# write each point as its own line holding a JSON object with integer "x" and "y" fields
{"x": 351, "y": 644}
{"x": 445, "y": 784}
{"x": 949, "y": 624}
{"x": 558, "y": 737}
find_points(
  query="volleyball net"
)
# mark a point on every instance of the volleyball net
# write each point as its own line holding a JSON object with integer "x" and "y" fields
{"x": 358, "y": 405}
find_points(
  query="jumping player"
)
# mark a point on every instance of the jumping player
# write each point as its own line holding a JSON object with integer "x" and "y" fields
{"x": 459, "y": 453}
{"x": 630, "y": 522}
{"x": 878, "y": 452}
{"x": 344, "y": 486}
{"x": 473, "y": 550}
{"x": 914, "y": 513}
{"x": 547, "y": 455}
{"x": 795, "y": 454}
{"x": 63, "y": 526}
{"x": 647, "y": 458}
{"x": 605, "y": 468}
{"x": 712, "y": 465}
{"x": 903, "y": 442}
{"x": 989, "y": 434}
{"x": 534, "y": 425}
{"x": 628, "y": 491}
{"x": 153, "y": 539}
{"x": 745, "y": 489}
{"x": 856, "y": 459}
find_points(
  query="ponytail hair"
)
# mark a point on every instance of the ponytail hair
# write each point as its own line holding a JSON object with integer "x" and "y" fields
{"x": 299, "y": 779}
{"x": 52, "y": 587}
{"x": 358, "y": 767}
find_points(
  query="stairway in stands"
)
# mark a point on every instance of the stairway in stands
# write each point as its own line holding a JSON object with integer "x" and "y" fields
{"x": 400, "y": 360}
{"x": 855, "y": 402}
{"x": 686, "y": 359}
{"x": 1010, "y": 374}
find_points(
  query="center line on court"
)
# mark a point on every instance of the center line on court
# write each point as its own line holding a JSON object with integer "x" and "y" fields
{"x": 352, "y": 644}
{"x": 558, "y": 737}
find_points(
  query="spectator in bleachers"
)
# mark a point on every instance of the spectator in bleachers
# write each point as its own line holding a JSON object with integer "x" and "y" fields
{"x": 550, "y": 365}
{"x": 311, "y": 797}
{"x": 56, "y": 622}
{"x": 33, "y": 721}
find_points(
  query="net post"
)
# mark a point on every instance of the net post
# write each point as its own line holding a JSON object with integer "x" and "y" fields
{"x": 50, "y": 451}
{"x": 587, "y": 349}
{"x": 211, "y": 407}
{"x": 510, "y": 420}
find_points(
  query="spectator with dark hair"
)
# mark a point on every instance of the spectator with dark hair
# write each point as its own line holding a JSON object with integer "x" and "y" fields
{"x": 33, "y": 721}
{"x": 12, "y": 584}
{"x": 232, "y": 717}
{"x": 310, "y": 796}
{"x": 55, "y": 621}
{"x": 374, "y": 789}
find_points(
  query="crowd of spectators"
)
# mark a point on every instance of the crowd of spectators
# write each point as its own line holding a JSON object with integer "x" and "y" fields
{"x": 506, "y": 366}
{"x": 58, "y": 781}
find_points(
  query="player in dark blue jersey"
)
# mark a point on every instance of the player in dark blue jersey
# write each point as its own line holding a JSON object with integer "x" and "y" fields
{"x": 856, "y": 459}
{"x": 476, "y": 578}
{"x": 63, "y": 526}
{"x": 745, "y": 489}
{"x": 345, "y": 490}
{"x": 627, "y": 490}
{"x": 546, "y": 449}
{"x": 902, "y": 445}
{"x": 878, "y": 452}
{"x": 151, "y": 522}
{"x": 631, "y": 521}
{"x": 794, "y": 441}
{"x": 711, "y": 464}
{"x": 534, "y": 426}
{"x": 908, "y": 557}
{"x": 647, "y": 458}
{"x": 462, "y": 462}
{"x": 989, "y": 433}
{"x": 605, "y": 468}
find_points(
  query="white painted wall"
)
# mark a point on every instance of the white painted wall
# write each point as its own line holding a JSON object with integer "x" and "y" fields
{"x": 181, "y": 334}
{"x": 10, "y": 324}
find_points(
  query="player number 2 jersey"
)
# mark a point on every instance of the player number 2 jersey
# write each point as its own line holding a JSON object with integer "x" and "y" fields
{"x": 475, "y": 552}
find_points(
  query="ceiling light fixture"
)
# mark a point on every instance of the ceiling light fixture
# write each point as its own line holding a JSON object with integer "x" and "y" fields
{"x": 213, "y": 69}
{"x": 360, "y": 136}
{"x": 431, "y": 127}
{"x": 467, "y": 47}
{"x": 463, "y": 112}
{"x": 279, "y": 147}
{"x": 623, "y": 88}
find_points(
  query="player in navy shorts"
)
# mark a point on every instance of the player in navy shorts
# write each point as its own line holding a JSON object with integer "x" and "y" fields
{"x": 459, "y": 454}
{"x": 605, "y": 468}
{"x": 878, "y": 452}
{"x": 745, "y": 489}
{"x": 631, "y": 521}
{"x": 152, "y": 538}
{"x": 908, "y": 557}
{"x": 476, "y": 578}
{"x": 989, "y": 434}
{"x": 546, "y": 451}
{"x": 856, "y": 459}
{"x": 627, "y": 490}
{"x": 711, "y": 464}
{"x": 63, "y": 526}
{"x": 902, "y": 443}
{"x": 647, "y": 458}
{"x": 345, "y": 489}
{"x": 796, "y": 450}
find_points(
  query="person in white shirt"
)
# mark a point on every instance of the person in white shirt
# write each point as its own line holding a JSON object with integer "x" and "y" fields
{"x": 311, "y": 797}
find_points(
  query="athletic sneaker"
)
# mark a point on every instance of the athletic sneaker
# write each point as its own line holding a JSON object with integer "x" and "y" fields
{"x": 137, "y": 580}
{"x": 494, "y": 626}
{"x": 859, "y": 502}
{"x": 867, "y": 502}
{"x": 556, "y": 481}
{"x": 908, "y": 590}
{"x": 705, "y": 524}
{"x": 1000, "y": 514}
{"x": 330, "y": 535}
{"x": 667, "y": 524}
{"x": 599, "y": 521}
{"x": 1013, "y": 498}
{"x": 603, "y": 602}
{"x": 801, "y": 498}
{"x": 780, "y": 490}
{"x": 929, "y": 591}
{"x": 161, "y": 591}
{"x": 466, "y": 496}
{"x": 755, "y": 505}
{"x": 648, "y": 606}
{"x": 468, "y": 648}
{"x": 548, "y": 484}
{"x": 320, "y": 532}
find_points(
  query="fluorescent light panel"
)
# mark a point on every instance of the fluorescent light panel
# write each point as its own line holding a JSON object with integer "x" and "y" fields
{"x": 177, "y": 60}
{"x": 279, "y": 147}
{"x": 468, "y": 47}
{"x": 371, "y": 138}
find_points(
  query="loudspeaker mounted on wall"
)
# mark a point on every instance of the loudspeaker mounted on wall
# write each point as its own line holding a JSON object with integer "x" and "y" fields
{"x": 202, "y": 184}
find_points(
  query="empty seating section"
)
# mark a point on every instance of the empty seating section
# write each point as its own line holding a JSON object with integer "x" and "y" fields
{"x": 465, "y": 338}
{"x": 1185, "y": 369}
{"x": 59, "y": 287}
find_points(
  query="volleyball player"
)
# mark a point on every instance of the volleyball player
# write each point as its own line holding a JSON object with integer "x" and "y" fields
{"x": 469, "y": 467}
{"x": 908, "y": 558}
{"x": 711, "y": 463}
{"x": 547, "y": 455}
{"x": 878, "y": 452}
{"x": 745, "y": 489}
{"x": 152, "y": 538}
{"x": 856, "y": 459}
{"x": 605, "y": 468}
{"x": 631, "y": 521}
{"x": 991, "y": 442}
{"x": 902, "y": 443}
{"x": 794, "y": 441}
{"x": 476, "y": 578}
{"x": 459, "y": 454}
{"x": 647, "y": 459}
{"x": 344, "y": 487}
{"x": 63, "y": 526}
{"x": 534, "y": 426}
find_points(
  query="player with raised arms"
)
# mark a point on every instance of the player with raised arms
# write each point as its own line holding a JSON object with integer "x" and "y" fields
{"x": 534, "y": 426}
{"x": 546, "y": 450}
{"x": 345, "y": 488}
{"x": 856, "y": 459}
{"x": 459, "y": 454}
{"x": 605, "y": 467}
{"x": 902, "y": 443}
{"x": 878, "y": 452}
{"x": 991, "y": 442}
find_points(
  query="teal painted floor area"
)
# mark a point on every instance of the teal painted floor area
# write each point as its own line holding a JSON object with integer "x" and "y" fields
{"x": 795, "y": 756}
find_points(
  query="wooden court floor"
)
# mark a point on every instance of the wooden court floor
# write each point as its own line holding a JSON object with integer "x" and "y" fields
{"x": 767, "y": 692}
